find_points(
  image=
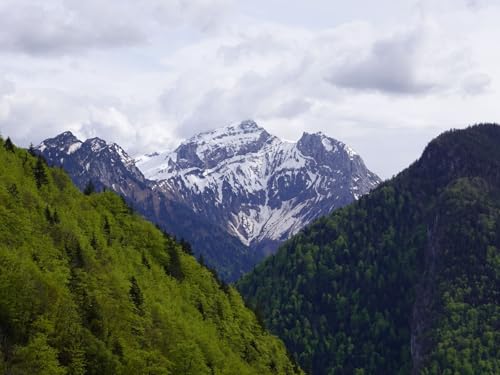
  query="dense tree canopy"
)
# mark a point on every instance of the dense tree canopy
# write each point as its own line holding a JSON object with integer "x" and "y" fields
{"x": 87, "y": 287}
{"x": 406, "y": 279}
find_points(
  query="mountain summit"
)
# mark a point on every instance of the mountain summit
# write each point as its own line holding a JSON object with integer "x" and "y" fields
{"x": 237, "y": 185}
{"x": 106, "y": 165}
{"x": 262, "y": 189}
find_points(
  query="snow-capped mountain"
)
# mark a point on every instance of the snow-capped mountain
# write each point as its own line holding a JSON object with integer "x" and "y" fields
{"x": 258, "y": 187}
{"x": 108, "y": 165}
{"x": 234, "y": 193}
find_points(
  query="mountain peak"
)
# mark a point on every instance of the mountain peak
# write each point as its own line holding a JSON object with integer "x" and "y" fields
{"x": 106, "y": 164}
{"x": 256, "y": 185}
{"x": 247, "y": 127}
{"x": 317, "y": 144}
{"x": 462, "y": 152}
{"x": 65, "y": 142}
{"x": 96, "y": 143}
{"x": 207, "y": 149}
{"x": 66, "y": 136}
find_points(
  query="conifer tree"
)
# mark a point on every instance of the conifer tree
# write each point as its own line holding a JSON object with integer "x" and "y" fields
{"x": 93, "y": 242}
{"x": 55, "y": 217}
{"x": 40, "y": 173}
{"x": 186, "y": 246}
{"x": 32, "y": 150}
{"x": 48, "y": 214}
{"x": 107, "y": 230}
{"x": 89, "y": 188}
{"x": 8, "y": 145}
{"x": 174, "y": 268}
{"x": 136, "y": 294}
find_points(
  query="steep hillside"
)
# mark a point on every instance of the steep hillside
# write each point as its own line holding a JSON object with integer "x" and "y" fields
{"x": 406, "y": 280}
{"x": 88, "y": 287}
{"x": 107, "y": 165}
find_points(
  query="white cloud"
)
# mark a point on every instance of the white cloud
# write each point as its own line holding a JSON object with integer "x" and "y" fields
{"x": 376, "y": 79}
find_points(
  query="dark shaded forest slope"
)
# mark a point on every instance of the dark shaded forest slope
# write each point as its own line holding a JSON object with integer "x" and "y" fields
{"x": 406, "y": 280}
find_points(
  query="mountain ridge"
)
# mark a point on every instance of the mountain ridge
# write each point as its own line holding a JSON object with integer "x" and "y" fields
{"x": 402, "y": 281}
{"x": 250, "y": 188}
{"x": 263, "y": 188}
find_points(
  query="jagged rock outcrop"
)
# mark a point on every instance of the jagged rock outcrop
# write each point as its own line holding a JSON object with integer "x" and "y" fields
{"x": 262, "y": 189}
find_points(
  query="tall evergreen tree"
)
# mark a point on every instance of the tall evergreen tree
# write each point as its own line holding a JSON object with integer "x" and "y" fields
{"x": 174, "y": 267}
{"x": 32, "y": 150}
{"x": 107, "y": 230}
{"x": 186, "y": 246}
{"x": 8, "y": 145}
{"x": 136, "y": 293}
{"x": 39, "y": 172}
{"x": 89, "y": 188}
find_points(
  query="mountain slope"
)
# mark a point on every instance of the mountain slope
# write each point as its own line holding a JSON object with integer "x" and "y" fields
{"x": 109, "y": 166}
{"x": 106, "y": 165}
{"x": 403, "y": 281}
{"x": 237, "y": 185}
{"x": 262, "y": 189}
{"x": 87, "y": 287}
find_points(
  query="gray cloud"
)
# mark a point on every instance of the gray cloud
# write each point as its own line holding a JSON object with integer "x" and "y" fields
{"x": 390, "y": 67}
{"x": 55, "y": 27}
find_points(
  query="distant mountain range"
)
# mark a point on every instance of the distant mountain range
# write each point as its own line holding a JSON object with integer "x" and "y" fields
{"x": 244, "y": 190}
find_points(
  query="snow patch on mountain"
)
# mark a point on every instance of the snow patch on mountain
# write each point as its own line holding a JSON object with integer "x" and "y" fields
{"x": 258, "y": 186}
{"x": 73, "y": 147}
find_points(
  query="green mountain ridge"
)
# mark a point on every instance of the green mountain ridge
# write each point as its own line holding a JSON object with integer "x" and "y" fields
{"x": 406, "y": 280}
{"x": 89, "y": 287}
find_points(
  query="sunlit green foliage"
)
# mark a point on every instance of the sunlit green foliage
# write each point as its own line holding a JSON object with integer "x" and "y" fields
{"x": 87, "y": 287}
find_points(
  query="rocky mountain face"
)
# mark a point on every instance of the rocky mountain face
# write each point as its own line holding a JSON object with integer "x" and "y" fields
{"x": 238, "y": 186}
{"x": 106, "y": 165}
{"x": 258, "y": 187}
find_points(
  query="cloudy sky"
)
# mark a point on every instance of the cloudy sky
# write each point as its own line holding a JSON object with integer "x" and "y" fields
{"x": 384, "y": 76}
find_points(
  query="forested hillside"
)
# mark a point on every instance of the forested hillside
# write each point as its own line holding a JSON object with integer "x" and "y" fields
{"x": 406, "y": 280}
{"x": 89, "y": 287}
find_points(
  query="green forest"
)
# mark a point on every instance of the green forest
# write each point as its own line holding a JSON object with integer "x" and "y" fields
{"x": 404, "y": 281}
{"x": 89, "y": 287}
